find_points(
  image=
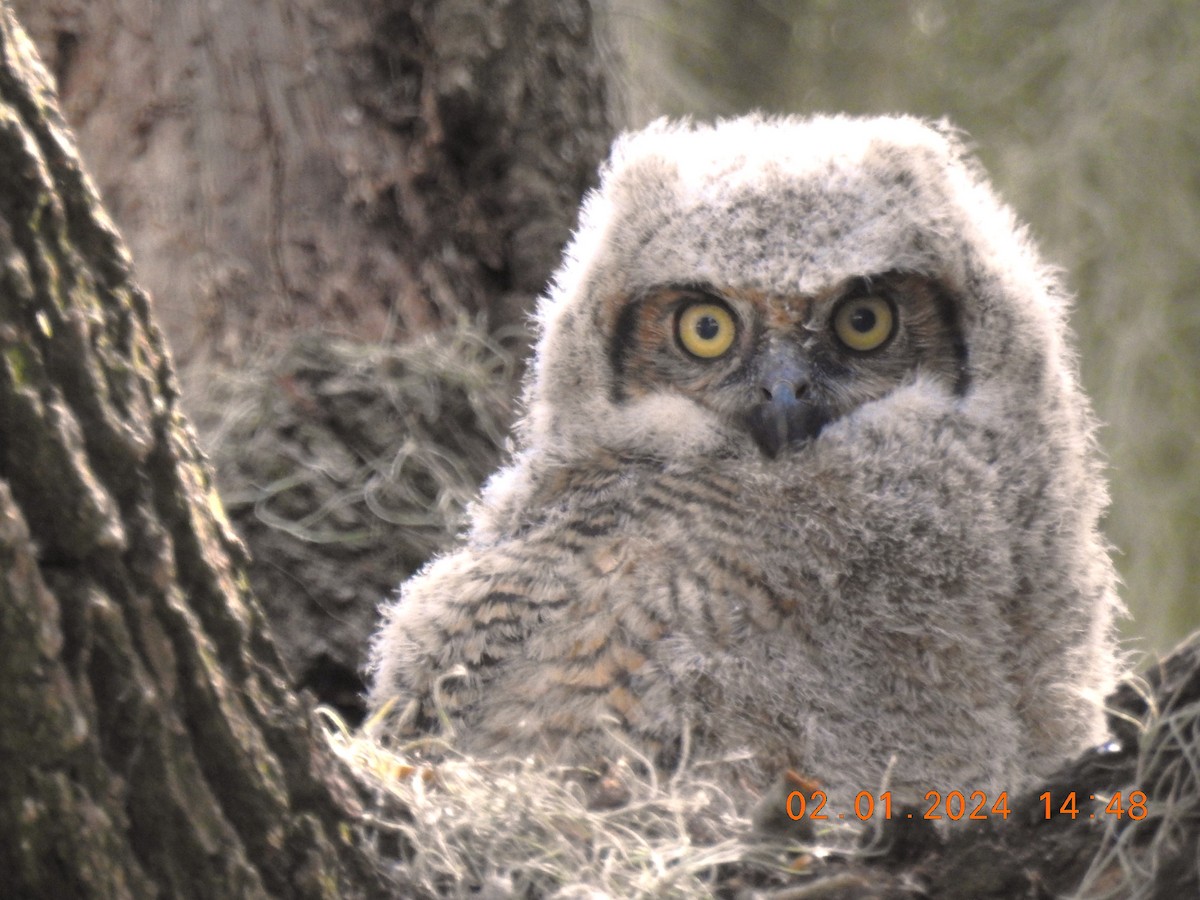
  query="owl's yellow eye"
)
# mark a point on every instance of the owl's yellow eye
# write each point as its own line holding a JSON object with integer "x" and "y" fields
{"x": 864, "y": 323}
{"x": 706, "y": 330}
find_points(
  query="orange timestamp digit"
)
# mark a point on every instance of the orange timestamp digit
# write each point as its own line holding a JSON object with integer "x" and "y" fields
{"x": 954, "y": 806}
{"x": 1133, "y": 805}
{"x": 797, "y": 805}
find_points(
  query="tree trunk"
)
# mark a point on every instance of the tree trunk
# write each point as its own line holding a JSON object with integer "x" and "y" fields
{"x": 372, "y": 167}
{"x": 367, "y": 170}
{"x": 149, "y": 743}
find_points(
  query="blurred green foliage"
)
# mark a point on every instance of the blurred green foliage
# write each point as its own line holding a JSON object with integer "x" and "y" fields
{"x": 1087, "y": 115}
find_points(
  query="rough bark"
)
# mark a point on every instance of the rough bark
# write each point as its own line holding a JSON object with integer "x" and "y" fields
{"x": 369, "y": 167}
{"x": 149, "y": 742}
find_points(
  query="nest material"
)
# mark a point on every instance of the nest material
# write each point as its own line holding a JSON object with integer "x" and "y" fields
{"x": 344, "y": 467}
{"x": 454, "y": 826}
{"x": 1157, "y": 854}
{"x": 447, "y": 825}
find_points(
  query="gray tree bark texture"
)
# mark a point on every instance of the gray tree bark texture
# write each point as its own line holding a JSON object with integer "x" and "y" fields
{"x": 149, "y": 744}
{"x": 372, "y": 167}
{"x": 359, "y": 170}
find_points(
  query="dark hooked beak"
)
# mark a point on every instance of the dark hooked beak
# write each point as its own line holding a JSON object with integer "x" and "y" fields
{"x": 787, "y": 414}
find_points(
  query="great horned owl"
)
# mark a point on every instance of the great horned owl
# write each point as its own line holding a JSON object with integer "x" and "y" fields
{"x": 804, "y": 471}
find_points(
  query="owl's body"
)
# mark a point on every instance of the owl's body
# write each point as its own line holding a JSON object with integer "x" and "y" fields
{"x": 805, "y": 476}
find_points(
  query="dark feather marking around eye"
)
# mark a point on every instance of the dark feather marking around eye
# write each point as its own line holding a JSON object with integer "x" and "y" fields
{"x": 701, "y": 290}
{"x": 881, "y": 283}
{"x": 620, "y": 347}
{"x": 945, "y": 302}
{"x": 622, "y": 342}
{"x": 866, "y": 285}
{"x": 947, "y": 308}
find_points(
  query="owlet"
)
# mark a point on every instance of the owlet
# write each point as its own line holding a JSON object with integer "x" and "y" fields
{"x": 805, "y": 476}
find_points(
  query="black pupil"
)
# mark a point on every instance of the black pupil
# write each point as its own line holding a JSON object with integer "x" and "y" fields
{"x": 862, "y": 319}
{"x": 707, "y": 327}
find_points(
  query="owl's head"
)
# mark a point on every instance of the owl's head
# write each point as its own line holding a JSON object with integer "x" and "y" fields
{"x": 734, "y": 289}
